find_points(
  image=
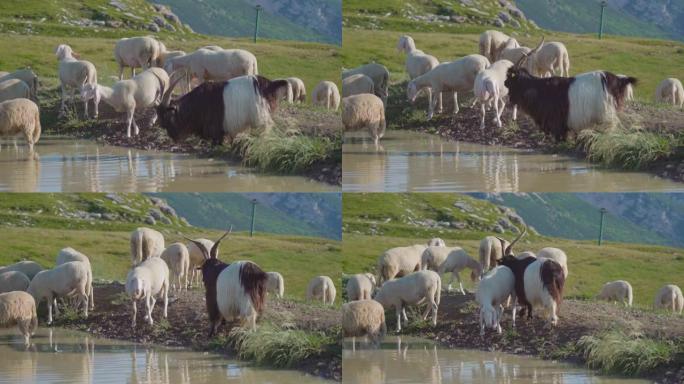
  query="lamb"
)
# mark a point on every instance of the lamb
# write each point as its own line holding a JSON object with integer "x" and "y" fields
{"x": 141, "y": 91}
{"x": 455, "y": 76}
{"x": 560, "y": 106}
{"x": 492, "y": 292}
{"x": 360, "y": 286}
{"x": 68, "y": 254}
{"x": 28, "y": 77}
{"x": 436, "y": 242}
{"x": 491, "y": 42}
{"x": 556, "y": 255}
{"x": 68, "y": 279}
{"x": 669, "y": 298}
{"x": 326, "y": 95}
{"x": 74, "y": 74}
{"x": 549, "y": 58}
{"x": 148, "y": 281}
{"x": 14, "y": 89}
{"x": 275, "y": 284}
{"x": 215, "y": 110}
{"x": 491, "y": 250}
{"x": 364, "y": 111}
{"x": 418, "y": 62}
{"x": 670, "y": 91}
{"x": 489, "y": 87}
{"x": 13, "y": 281}
{"x": 298, "y": 89}
{"x": 145, "y": 243}
{"x": 137, "y": 52}
{"x": 323, "y": 288}
{"x": 456, "y": 261}
{"x": 619, "y": 290}
{"x": 20, "y": 116}
{"x": 412, "y": 289}
{"x": 218, "y": 64}
{"x": 28, "y": 268}
{"x": 356, "y": 85}
{"x": 177, "y": 258}
{"x": 378, "y": 73}
{"x": 197, "y": 258}
{"x": 399, "y": 261}
{"x": 363, "y": 318}
{"x": 19, "y": 308}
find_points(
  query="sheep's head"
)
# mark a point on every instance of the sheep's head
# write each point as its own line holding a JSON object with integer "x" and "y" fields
{"x": 64, "y": 51}
{"x": 476, "y": 274}
{"x": 89, "y": 91}
{"x": 411, "y": 91}
{"x": 489, "y": 315}
{"x": 405, "y": 44}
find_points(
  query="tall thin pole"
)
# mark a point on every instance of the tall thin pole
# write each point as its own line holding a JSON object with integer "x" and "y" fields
{"x": 256, "y": 23}
{"x": 600, "y": 238}
{"x": 603, "y": 8}
{"x": 251, "y": 228}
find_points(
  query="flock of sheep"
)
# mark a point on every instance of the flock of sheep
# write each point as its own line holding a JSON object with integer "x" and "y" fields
{"x": 231, "y": 96}
{"x": 235, "y": 291}
{"x": 503, "y": 71}
{"x": 411, "y": 276}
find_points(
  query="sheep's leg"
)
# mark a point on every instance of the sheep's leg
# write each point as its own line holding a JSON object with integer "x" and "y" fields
{"x": 515, "y": 307}
{"x": 84, "y": 302}
{"x": 434, "y": 310}
{"x": 92, "y": 297}
{"x": 54, "y": 301}
{"x": 399, "y": 308}
{"x": 554, "y": 317}
{"x": 455, "y": 103}
{"x": 460, "y": 283}
{"x": 150, "y": 307}
{"x": 482, "y": 324}
{"x": 96, "y": 102}
{"x": 499, "y": 111}
{"x": 515, "y": 112}
{"x": 121, "y": 70}
{"x": 62, "y": 108}
{"x": 431, "y": 108}
{"x": 129, "y": 121}
{"x": 483, "y": 110}
{"x": 403, "y": 313}
{"x": 85, "y": 108}
{"x": 499, "y": 312}
{"x": 427, "y": 312}
{"x": 50, "y": 303}
{"x": 135, "y": 313}
{"x": 439, "y": 103}
{"x": 166, "y": 300}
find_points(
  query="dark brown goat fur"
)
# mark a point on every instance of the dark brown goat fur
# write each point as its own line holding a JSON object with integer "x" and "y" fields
{"x": 551, "y": 274}
{"x": 253, "y": 281}
{"x": 518, "y": 267}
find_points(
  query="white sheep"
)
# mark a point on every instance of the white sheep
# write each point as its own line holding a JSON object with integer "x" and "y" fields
{"x": 550, "y": 57}
{"x": 321, "y": 288}
{"x": 298, "y": 89}
{"x": 142, "y": 91}
{"x": 19, "y": 308}
{"x": 357, "y": 84}
{"x": 27, "y": 76}
{"x": 491, "y": 42}
{"x": 13, "y": 281}
{"x": 145, "y": 243}
{"x": 197, "y": 259}
{"x": 670, "y": 91}
{"x": 363, "y": 318}
{"x": 68, "y": 254}
{"x": 137, "y": 52}
{"x": 74, "y": 74}
{"x": 434, "y": 255}
{"x": 669, "y": 298}
{"x": 241, "y": 292}
{"x": 360, "y": 286}
{"x": 418, "y": 63}
{"x": 525, "y": 254}
{"x": 399, "y": 261}
{"x": 556, "y": 255}
{"x": 413, "y": 289}
{"x": 217, "y": 65}
{"x": 436, "y": 242}
{"x": 165, "y": 56}
{"x": 619, "y": 290}
{"x": 148, "y": 281}
{"x": 489, "y": 88}
{"x": 14, "y": 89}
{"x": 492, "y": 292}
{"x": 456, "y": 261}
{"x": 364, "y": 111}
{"x": 455, "y": 76}
{"x": 27, "y": 267}
{"x": 490, "y": 251}
{"x": 326, "y": 95}
{"x": 65, "y": 280}
{"x": 177, "y": 258}
{"x": 275, "y": 284}
{"x": 171, "y": 67}
{"x": 378, "y": 73}
{"x": 20, "y": 116}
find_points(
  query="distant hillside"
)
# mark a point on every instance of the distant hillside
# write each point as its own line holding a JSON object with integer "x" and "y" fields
{"x": 305, "y": 20}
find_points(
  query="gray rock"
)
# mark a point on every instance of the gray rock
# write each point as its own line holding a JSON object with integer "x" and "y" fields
{"x": 115, "y": 198}
{"x": 158, "y": 20}
{"x": 113, "y": 23}
{"x": 443, "y": 223}
{"x": 168, "y": 210}
{"x": 166, "y": 220}
{"x": 458, "y": 19}
{"x": 170, "y": 27}
{"x": 497, "y": 228}
{"x": 505, "y": 17}
{"x": 463, "y": 206}
{"x": 429, "y": 223}
{"x": 156, "y": 201}
{"x": 170, "y": 16}
{"x": 498, "y": 23}
{"x": 153, "y": 27}
{"x": 118, "y": 5}
{"x": 155, "y": 213}
{"x": 110, "y": 216}
{"x": 514, "y": 23}
{"x": 505, "y": 223}
{"x": 458, "y": 225}
{"x": 150, "y": 220}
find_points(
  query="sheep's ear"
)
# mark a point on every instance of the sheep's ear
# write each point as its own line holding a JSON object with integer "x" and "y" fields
{"x": 205, "y": 252}
{"x": 214, "y": 250}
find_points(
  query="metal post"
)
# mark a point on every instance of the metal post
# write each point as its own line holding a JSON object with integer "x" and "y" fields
{"x": 251, "y": 228}
{"x": 256, "y": 23}
{"x": 603, "y": 8}
{"x": 600, "y": 239}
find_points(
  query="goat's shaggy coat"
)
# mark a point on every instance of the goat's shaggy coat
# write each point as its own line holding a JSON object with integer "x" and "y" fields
{"x": 20, "y": 116}
{"x": 364, "y": 111}
{"x": 19, "y": 308}
{"x": 518, "y": 267}
{"x": 241, "y": 292}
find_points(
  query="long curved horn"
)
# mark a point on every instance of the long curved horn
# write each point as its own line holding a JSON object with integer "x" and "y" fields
{"x": 166, "y": 99}
{"x": 510, "y": 246}
{"x": 214, "y": 250}
{"x": 541, "y": 44}
{"x": 205, "y": 251}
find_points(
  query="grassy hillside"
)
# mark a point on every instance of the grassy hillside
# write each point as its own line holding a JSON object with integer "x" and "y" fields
{"x": 389, "y": 225}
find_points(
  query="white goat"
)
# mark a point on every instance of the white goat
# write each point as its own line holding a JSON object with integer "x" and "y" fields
{"x": 357, "y": 84}
{"x": 322, "y": 288}
{"x": 364, "y": 111}
{"x": 670, "y": 91}
{"x": 492, "y": 292}
{"x": 378, "y": 73}
{"x": 360, "y": 286}
{"x": 619, "y": 290}
{"x": 137, "y": 52}
{"x": 177, "y": 258}
{"x": 418, "y": 63}
{"x": 413, "y": 289}
{"x": 326, "y": 95}
{"x": 19, "y": 308}
{"x": 275, "y": 284}
{"x": 20, "y": 116}
{"x": 148, "y": 281}
{"x": 74, "y": 74}
{"x": 13, "y": 281}
{"x": 489, "y": 88}
{"x": 145, "y": 243}
{"x": 27, "y": 267}
{"x": 399, "y": 261}
{"x": 65, "y": 280}
{"x": 14, "y": 89}
{"x": 669, "y": 298}
{"x": 456, "y": 261}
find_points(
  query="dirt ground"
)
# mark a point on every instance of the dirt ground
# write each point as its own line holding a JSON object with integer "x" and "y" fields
{"x": 188, "y": 324}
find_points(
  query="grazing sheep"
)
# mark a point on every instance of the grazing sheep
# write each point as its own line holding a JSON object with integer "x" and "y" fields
{"x": 455, "y": 76}
{"x": 68, "y": 279}
{"x": 433, "y": 257}
{"x": 619, "y": 290}
{"x": 556, "y": 255}
{"x": 214, "y": 110}
{"x": 137, "y": 52}
{"x": 298, "y": 89}
{"x": 14, "y": 89}
{"x": 669, "y": 298}
{"x": 28, "y": 268}
{"x": 492, "y": 292}
{"x": 399, "y": 261}
{"x": 285, "y": 93}
{"x": 321, "y": 288}
{"x": 165, "y": 56}
{"x": 19, "y": 308}
{"x": 356, "y": 85}
{"x": 177, "y": 258}
{"x": 360, "y": 286}
{"x": 549, "y": 58}
{"x": 436, "y": 242}
{"x": 363, "y": 318}
{"x": 28, "y": 77}
{"x": 670, "y": 91}
{"x": 13, "y": 281}
{"x": 413, "y": 289}
{"x": 197, "y": 258}
{"x": 148, "y": 281}
{"x": 326, "y": 95}
{"x": 491, "y": 42}
{"x": 418, "y": 63}
{"x": 170, "y": 67}
{"x": 456, "y": 261}
{"x": 491, "y": 250}
{"x": 74, "y": 74}
{"x": 145, "y": 243}
{"x": 378, "y": 73}
{"x": 218, "y": 64}
{"x": 489, "y": 88}
{"x": 512, "y": 51}
{"x": 275, "y": 284}
{"x": 20, "y": 116}
{"x": 364, "y": 111}
{"x": 68, "y": 254}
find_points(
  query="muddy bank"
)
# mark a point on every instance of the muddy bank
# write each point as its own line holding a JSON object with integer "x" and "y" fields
{"x": 187, "y": 324}
{"x": 458, "y": 327}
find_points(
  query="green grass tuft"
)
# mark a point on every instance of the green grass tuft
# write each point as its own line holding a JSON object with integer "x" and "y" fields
{"x": 630, "y": 150}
